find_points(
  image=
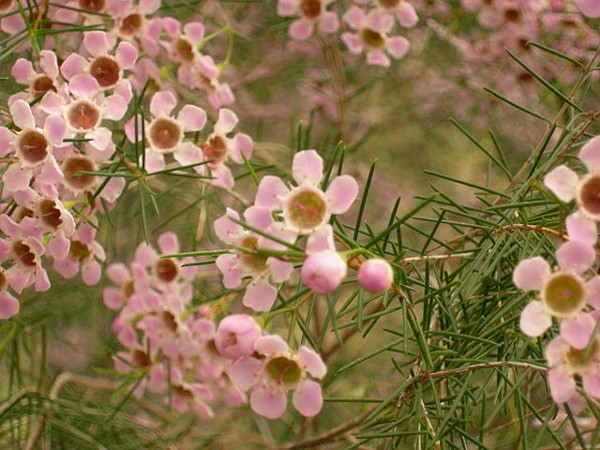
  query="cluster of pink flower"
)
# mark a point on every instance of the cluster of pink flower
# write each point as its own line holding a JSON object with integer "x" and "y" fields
{"x": 568, "y": 293}
{"x": 370, "y": 26}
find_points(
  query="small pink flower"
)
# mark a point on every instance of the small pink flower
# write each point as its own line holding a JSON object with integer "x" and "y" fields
{"x": 260, "y": 293}
{"x": 39, "y": 82}
{"x": 404, "y": 11}
{"x": 278, "y": 371}
{"x": 132, "y": 24}
{"x": 305, "y": 208}
{"x": 375, "y": 275}
{"x": 311, "y": 12}
{"x": 324, "y": 269}
{"x": 165, "y": 134}
{"x": 187, "y": 396}
{"x": 372, "y": 36}
{"x": 219, "y": 148}
{"x": 236, "y": 335}
{"x": 563, "y": 294}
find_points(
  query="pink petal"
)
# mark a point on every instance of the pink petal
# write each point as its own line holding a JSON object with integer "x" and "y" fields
{"x": 329, "y": 22}
{"x": 58, "y": 247}
{"x": 312, "y": 362}
{"x": 241, "y": 144}
{"x": 6, "y": 141}
{"x": 286, "y": 8}
{"x": 113, "y": 298}
{"x": 258, "y": 217}
{"x": 563, "y": 182}
{"x": 91, "y": 271}
{"x": 406, "y": 14}
{"x": 591, "y": 384}
{"x": 590, "y": 8}
{"x": 148, "y": 6}
{"x": 192, "y": 118}
{"x": 269, "y": 193}
{"x": 260, "y": 295}
{"x": 168, "y": 243}
{"x": 590, "y": 154}
{"x": 73, "y": 65}
{"x": 16, "y": 178}
{"x": 226, "y": 122}
{"x": 280, "y": 270}
{"x": 154, "y": 161}
{"x": 268, "y": 403}
{"x": 162, "y": 103}
{"x": 378, "y": 59}
{"x": 341, "y": 193}
{"x": 271, "y": 345}
{"x": 398, "y": 46}
{"x": 226, "y": 229}
{"x": 244, "y": 372}
{"x": 96, "y": 42}
{"x": 49, "y": 63}
{"x": 530, "y": 273}
{"x": 115, "y": 107}
{"x": 320, "y": 240}
{"x": 232, "y": 277}
{"x": 222, "y": 177}
{"x": 42, "y": 282}
{"x": 578, "y": 331}
{"x": 354, "y": 17}
{"x": 308, "y": 398}
{"x": 562, "y": 385}
{"x": 379, "y": 21}
{"x": 301, "y": 29}
{"x": 55, "y": 128}
{"x": 593, "y": 286}
{"x": 194, "y": 32}
{"x": 581, "y": 229}
{"x": 9, "y": 306}
{"x": 83, "y": 85}
{"x": 126, "y": 55}
{"x": 22, "y": 71}
{"x": 352, "y": 42}
{"x": 188, "y": 154}
{"x": 118, "y": 273}
{"x": 100, "y": 138}
{"x": 307, "y": 168}
{"x": 556, "y": 351}
{"x": 576, "y": 256}
{"x": 22, "y": 115}
{"x": 534, "y": 319}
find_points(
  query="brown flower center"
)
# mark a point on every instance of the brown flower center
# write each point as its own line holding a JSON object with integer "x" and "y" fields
{"x": 306, "y": 209}
{"x": 91, "y": 5}
{"x": 50, "y": 214}
{"x": 185, "y": 51}
{"x": 79, "y": 251}
{"x": 372, "y": 38}
{"x": 105, "y": 70}
{"x": 165, "y": 134}
{"x": 215, "y": 149}
{"x": 72, "y": 168}
{"x": 166, "y": 270}
{"x": 42, "y": 84}
{"x": 131, "y": 25}
{"x": 252, "y": 262}
{"x": 33, "y": 147}
{"x": 83, "y": 116}
{"x": 388, "y": 4}
{"x": 589, "y": 195}
{"x": 24, "y": 254}
{"x": 564, "y": 294}
{"x": 311, "y": 9}
{"x": 283, "y": 370}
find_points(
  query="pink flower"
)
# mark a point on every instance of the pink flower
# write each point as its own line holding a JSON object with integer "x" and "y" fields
{"x": 219, "y": 148}
{"x": 305, "y": 208}
{"x": 404, "y": 11}
{"x": 565, "y": 362}
{"x": 563, "y": 294}
{"x": 236, "y": 335}
{"x": 165, "y": 134}
{"x": 260, "y": 293}
{"x": 375, "y": 275}
{"x": 277, "y": 372}
{"x": 39, "y": 82}
{"x": 324, "y": 269}
{"x": 132, "y": 24}
{"x": 311, "y": 12}
{"x": 372, "y": 36}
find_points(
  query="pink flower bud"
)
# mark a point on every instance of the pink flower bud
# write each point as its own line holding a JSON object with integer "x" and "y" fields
{"x": 375, "y": 275}
{"x": 324, "y": 271}
{"x": 236, "y": 335}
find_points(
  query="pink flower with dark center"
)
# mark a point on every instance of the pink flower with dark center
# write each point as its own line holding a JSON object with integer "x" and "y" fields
{"x": 218, "y": 148}
{"x": 38, "y": 81}
{"x": 274, "y": 372}
{"x": 375, "y": 275}
{"x": 305, "y": 208}
{"x": 187, "y": 396}
{"x": 132, "y": 24}
{"x": 565, "y": 362}
{"x": 115, "y": 297}
{"x": 260, "y": 293}
{"x": 567, "y": 185}
{"x": 563, "y": 294}
{"x": 33, "y": 147}
{"x": 23, "y": 245}
{"x": 236, "y": 335}
{"x": 165, "y": 134}
{"x": 205, "y": 75}
{"x": 311, "y": 12}
{"x": 372, "y": 36}
{"x": 85, "y": 253}
{"x": 183, "y": 47}
{"x": 403, "y": 10}
{"x": 324, "y": 269}
{"x": 106, "y": 68}
{"x": 137, "y": 360}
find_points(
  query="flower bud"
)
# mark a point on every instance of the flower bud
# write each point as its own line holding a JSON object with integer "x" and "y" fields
{"x": 236, "y": 335}
{"x": 324, "y": 271}
{"x": 375, "y": 275}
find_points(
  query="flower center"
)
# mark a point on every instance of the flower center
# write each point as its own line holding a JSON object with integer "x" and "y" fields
{"x": 165, "y": 134}
{"x": 185, "y": 50}
{"x": 306, "y": 210}
{"x": 575, "y": 358}
{"x": 129, "y": 289}
{"x": 388, "y": 4}
{"x": 131, "y": 25}
{"x": 589, "y": 195}
{"x": 140, "y": 358}
{"x": 283, "y": 370}
{"x": 71, "y": 169}
{"x": 166, "y": 270}
{"x": 512, "y": 15}
{"x": 372, "y": 38}
{"x": 215, "y": 149}
{"x": 24, "y": 254}
{"x": 79, "y": 251}
{"x": 311, "y": 9}
{"x": 564, "y": 294}
{"x": 42, "y": 85}
{"x": 33, "y": 147}
{"x": 252, "y": 262}
{"x": 169, "y": 321}
{"x": 3, "y": 281}
{"x": 5, "y": 5}
{"x": 182, "y": 392}
{"x": 83, "y": 116}
{"x": 91, "y": 5}
{"x": 105, "y": 70}
{"x": 49, "y": 213}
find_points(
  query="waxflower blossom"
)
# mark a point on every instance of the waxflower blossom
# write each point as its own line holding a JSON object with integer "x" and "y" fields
{"x": 404, "y": 11}
{"x": 132, "y": 24}
{"x": 274, "y": 371}
{"x": 260, "y": 293}
{"x": 371, "y": 35}
{"x": 324, "y": 269}
{"x": 563, "y": 294}
{"x": 236, "y": 335}
{"x": 311, "y": 12}
{"x": 38, "y": 82}
{"x": 305, "y": 207}
{"x": 375, "y": 275}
